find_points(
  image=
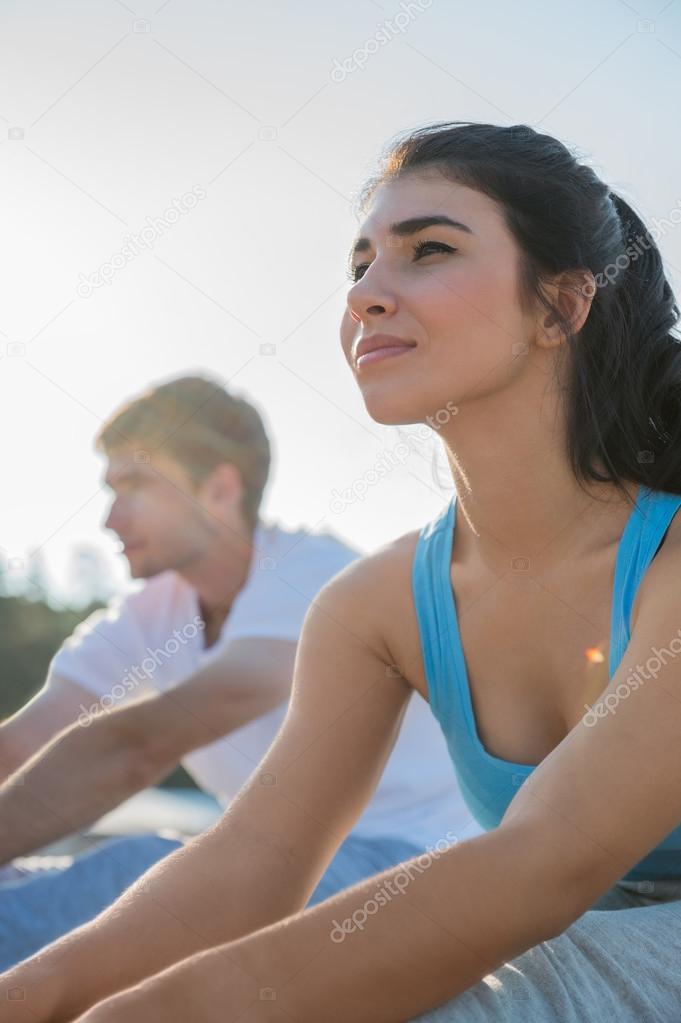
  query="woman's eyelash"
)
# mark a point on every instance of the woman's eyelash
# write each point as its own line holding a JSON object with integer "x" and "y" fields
{"x": 352, "y": 271}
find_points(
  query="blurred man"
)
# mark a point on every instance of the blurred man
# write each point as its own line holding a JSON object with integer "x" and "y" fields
{"x": 194, "y": 667}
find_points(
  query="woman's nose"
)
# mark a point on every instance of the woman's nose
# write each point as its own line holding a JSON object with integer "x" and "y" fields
{"x": 371, "y": 295}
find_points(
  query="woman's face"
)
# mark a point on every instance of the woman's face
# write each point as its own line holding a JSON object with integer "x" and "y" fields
{"x": 450, "y": 291}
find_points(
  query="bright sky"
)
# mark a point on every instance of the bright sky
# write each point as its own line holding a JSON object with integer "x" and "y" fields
{"x": 107, "y": 114}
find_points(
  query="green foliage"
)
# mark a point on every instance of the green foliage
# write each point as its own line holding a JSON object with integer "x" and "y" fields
{"x": 31, "y": 632}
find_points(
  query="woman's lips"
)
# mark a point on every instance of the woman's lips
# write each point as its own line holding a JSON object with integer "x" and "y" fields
{"x": 382, "y": 353}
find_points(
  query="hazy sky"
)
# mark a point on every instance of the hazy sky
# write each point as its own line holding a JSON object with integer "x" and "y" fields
{"x": 109, "y": 111}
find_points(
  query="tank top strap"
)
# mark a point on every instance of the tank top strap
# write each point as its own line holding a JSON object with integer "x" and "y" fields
{"x": 437, "y": 629}
{"x": 640, "y": 541}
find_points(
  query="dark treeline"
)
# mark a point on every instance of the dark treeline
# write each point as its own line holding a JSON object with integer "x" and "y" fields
{"x": 31, "y": 632}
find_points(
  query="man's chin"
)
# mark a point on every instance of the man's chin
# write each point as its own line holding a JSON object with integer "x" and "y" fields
{"x": 140, "y": 569}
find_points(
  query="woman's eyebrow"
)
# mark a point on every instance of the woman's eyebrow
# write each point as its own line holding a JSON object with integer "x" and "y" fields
{"x": 403, "y": 228}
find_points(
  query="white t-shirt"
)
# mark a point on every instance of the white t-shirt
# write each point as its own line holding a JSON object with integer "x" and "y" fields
{"x": 152, "y": 639}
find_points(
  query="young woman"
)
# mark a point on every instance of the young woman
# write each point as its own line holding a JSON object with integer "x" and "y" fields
{"x": 522, "y": 310}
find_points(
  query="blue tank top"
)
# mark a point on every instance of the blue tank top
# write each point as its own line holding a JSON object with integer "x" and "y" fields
{"x": 488, "y": 783}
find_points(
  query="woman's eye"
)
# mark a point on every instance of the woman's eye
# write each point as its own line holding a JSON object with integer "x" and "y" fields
{"x": 355, "y": 272}
{"x": 420, "y": 247}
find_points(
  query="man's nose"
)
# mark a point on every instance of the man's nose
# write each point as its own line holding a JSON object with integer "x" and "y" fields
{"x": 113, "y": 519}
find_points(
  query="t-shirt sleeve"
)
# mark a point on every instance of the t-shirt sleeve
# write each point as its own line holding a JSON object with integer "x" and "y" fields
{"x": 103, "y": 654}
{"x": 281, "y": 589}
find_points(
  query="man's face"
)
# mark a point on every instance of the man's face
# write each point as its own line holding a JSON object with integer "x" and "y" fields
{"x": 156, "y": 512}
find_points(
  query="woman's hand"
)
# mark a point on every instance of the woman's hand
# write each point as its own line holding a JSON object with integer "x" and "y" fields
{"x": 206, "y": 988}
{"x": 150, "y": 1002}
{"x": 136, "y": 1006}
{"x": 30, "y": 992}
{"x": 129, "y": 1006}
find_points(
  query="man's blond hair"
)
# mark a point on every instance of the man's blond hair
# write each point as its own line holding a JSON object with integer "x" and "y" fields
{"x": 194, "y": 420}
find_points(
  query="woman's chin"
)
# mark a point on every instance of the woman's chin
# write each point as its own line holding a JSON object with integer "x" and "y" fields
{"x": 388, "y": 411}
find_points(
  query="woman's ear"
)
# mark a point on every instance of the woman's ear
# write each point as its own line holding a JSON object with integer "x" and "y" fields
{"x": 571, "y": 293}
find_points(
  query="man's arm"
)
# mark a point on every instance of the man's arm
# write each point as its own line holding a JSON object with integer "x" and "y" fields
{"x": 92, "y": 767}
{"x": 263, "y": 859}
{"x": 56, "y": 705}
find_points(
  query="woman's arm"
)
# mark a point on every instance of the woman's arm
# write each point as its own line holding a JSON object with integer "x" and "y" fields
{"x": 263, "y": 860}
{"x": 604, "y": 797}
{"x": 382, "y": 951}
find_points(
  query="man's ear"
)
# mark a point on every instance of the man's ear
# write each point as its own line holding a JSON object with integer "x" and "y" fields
{"x": 572, "y": 294}
{"x": 224, "y": 486}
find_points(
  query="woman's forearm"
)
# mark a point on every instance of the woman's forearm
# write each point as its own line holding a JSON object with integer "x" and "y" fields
{"x": 233, "y": 880}
{"x": 383, "y": 951}
{"x": 472, "y": 908}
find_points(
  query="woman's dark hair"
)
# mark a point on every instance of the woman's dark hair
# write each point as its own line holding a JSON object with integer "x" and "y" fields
{"x": 622, "y": 379}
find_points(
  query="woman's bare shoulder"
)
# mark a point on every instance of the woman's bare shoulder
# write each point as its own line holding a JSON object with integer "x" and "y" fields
{"x": 375, "y": 592}
{"x": 374, "y": 575}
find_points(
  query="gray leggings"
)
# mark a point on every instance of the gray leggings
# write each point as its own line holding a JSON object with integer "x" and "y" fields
{"x": 620, "y": 961}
